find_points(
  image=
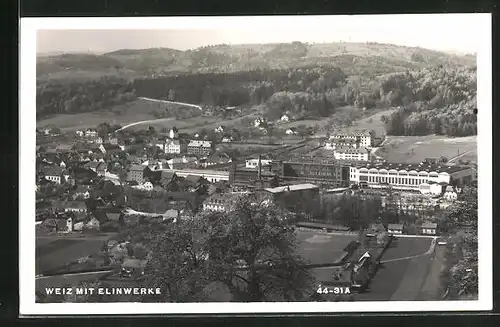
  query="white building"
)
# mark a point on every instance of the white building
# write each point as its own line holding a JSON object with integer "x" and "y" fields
{"x": 54, "y": 174}
{"x": 431, "y": 188}
{"x": 395, "y": 228}
{"x": 348, "y": 153}
{"x": 450, "y": 194}
{"x": 91, "y": 133}
{"x": 363, "y": 137}
{"x": 334, "y": 143}
{"x": 407, "y": 176}
{"x": 285, "y": 119}
{"x": 291, "y": 131}
{"x": 254, "y": 163}
{"x": 174, "y": 146}
{"x": 80, "y": 133}
{"x": 173, "y": 133}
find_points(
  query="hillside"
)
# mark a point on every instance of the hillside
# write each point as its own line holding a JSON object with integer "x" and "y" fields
{"x": 353, "y": 58}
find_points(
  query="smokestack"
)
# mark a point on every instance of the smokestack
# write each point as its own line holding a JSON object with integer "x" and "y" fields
{"x": 260, "y": 168}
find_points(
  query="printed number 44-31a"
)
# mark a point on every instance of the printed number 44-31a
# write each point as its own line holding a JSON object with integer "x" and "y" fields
{"x": 333, "y": 290}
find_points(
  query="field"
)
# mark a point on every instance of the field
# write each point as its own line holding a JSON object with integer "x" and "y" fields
{"x": 54, "y": 252}
{"x": 123, "y": 114}
{"x": 414, "y": 149}
{"x": 403, "y": 276}
{"x": 370, "y": 123}
{"x": 317, "y": 248}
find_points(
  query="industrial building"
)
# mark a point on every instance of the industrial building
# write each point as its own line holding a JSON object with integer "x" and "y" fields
{"x": 408, "y": 176}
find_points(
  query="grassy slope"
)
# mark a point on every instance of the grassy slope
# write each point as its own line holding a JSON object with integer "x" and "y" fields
{"x": 414, "y": 149}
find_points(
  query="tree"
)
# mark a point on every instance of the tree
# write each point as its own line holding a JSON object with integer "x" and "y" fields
{"x": 250, "y": 250}
{"x": 103, "y": 129}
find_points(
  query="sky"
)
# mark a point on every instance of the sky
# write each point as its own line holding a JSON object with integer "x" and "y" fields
{"x": 444, "y": 32}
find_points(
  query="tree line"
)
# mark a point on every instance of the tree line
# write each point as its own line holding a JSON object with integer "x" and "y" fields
{"x": 432, "y": 101}
{"x": 58, "y": 96}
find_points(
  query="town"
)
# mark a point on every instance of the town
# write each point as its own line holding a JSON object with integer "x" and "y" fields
{"x": 96, "y": 183}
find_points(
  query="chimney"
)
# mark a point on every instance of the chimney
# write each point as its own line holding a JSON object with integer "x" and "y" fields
{"x": 260, "y": 168}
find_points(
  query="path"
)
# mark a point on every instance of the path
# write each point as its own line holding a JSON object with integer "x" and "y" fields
{"x": 75, "y": 274}
{"x": 173, "y": 102}
{"x": 144, "y": 122}
{"x": 460, "y": 155}
{"x": 159, "y": 119}
{"x": 429, "y": 251}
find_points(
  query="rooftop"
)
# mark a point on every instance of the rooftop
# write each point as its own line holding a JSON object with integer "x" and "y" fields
{"x": 429, "y": 225}
{"x": 352, "y": 150}
{"x": 292, "y": 188}
{"x": 137, "y": 168}
{"x": 395, "y": 226}
{"x": 200, "y": 143}
{"x": 416, "y": 167}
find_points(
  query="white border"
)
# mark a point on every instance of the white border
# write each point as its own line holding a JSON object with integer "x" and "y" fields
{"x": 27, "y": 111}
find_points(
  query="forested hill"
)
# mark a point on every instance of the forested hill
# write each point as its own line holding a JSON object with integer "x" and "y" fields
{"x": 436, "y": 92}
{"x": 353, "y": 58}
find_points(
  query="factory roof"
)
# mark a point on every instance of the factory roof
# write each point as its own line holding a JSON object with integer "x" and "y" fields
{"x": 408, "y": 167}
{"x": 291, "y": 188}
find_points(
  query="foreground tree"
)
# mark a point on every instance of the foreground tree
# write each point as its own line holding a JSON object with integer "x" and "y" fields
{"x": 248, "y": 252}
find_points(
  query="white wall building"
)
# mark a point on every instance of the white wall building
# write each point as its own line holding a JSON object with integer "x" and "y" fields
{"x": 364, "y": 137}
{"x": 407, "y": 176}
{"x": 254, "y": 163}
{"x": 173, "y": 146}
{"x": 347, "y": 153}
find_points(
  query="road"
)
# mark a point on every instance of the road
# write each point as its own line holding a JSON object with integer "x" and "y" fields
{"x": 159, "y": 119}
{"x": 460, "y": 155}
{"x": 173, "y": 102}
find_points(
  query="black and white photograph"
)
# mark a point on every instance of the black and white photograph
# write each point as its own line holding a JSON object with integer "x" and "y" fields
{"x": 255, "y": 164}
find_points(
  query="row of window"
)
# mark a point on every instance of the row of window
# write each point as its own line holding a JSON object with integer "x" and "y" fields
{"x": 391, "y": 180}
{"x": 422, "y": 174}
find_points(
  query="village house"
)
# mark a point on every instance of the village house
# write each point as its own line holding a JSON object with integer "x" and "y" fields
{"x": 82, "y": 191}
{"x": 91, "y": 133}
{"x": 110, "y": 149}
{"x": 92, "y": 225}
{"x": 215, "y": 159}
{"x": 98, "y": 140}
{"x": 173, "y": 133}
{"x": 136, "y": 173}
{"x": 133, "y": 268}
{"x": 291, "y": 131}
{"x": 199, "y": 147}
{"x": 395, "y": 228}
{"x": 98, "y": 167}
{"x": 354, "y": 154}
{"x": 75, "y": 206}
{"x": 260, "y": 122}
{"x": 364, "y": 138}
{"x": 113, "y": 140}
{"x": 450, "y": 193}
{"x": 221, "y": 202}
{"x": 63, "y": 147}
{"x": 285, "y": 119}
{"x": 146, "y": 186}
{"x": 429, "y": 228}
{"x": 254, "y": 163}
{"x": 54, "y": 174}
{"x": 179, "y": 163}
{"x": 53, "y": 225}
{"x": 219, "y": 129}
{"x": 227, "y": 139}
{"x": 80, "y": 133}
{"x": 167, "y": 177}
{"x": 334, "y": 143}
{"x": 175, "y": 146}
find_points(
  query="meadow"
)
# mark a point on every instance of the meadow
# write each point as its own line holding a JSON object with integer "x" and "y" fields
{"x": 414, "y": 149}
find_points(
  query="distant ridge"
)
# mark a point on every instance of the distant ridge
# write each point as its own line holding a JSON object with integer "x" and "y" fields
{"x": 225, "y": 58}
